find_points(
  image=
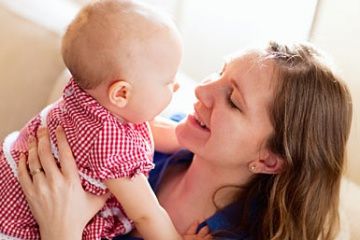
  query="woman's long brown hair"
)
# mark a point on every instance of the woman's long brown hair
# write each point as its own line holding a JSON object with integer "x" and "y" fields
{"x": 311, "y": 116}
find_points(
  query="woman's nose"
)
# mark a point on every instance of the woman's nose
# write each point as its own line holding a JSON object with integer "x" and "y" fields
{"x": 203, "y": 92}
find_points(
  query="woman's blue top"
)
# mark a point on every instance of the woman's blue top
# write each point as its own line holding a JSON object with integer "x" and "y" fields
{"x": 219, "y": 221}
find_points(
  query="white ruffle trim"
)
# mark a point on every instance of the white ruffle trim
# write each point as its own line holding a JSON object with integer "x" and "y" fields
{"x": 93, "y": 181}
{"x": 43, "y": 114}
{"x": 6, "y": 237}
{"x": 8, "y": 142}
{"x": 119, "y": 214}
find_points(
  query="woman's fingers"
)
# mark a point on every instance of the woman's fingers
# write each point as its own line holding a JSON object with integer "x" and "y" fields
{"x": 34, "y": 162}
{"x": 24, "y": 177}
{"x": 56, "y": 194}
{"x": 47, "y": 160}
{"x": 67, "y": 161}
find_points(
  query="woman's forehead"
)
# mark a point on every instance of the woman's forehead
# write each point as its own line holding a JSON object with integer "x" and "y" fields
{"x": 248, "y": 62}
{"x": 241, "y": 54}
{"x": 251, "y": 67}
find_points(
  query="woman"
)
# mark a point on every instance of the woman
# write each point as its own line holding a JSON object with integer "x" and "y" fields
{"x": 268, "y": 136}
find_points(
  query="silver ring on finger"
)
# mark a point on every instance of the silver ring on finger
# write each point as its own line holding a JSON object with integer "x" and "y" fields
{"x": 36, "y": 171}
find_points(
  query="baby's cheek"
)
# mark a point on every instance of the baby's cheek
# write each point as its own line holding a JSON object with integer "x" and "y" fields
{"x": 166, "y": 98}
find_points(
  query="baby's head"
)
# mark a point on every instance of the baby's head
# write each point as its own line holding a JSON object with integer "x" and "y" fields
{"x": 125, "y": 55}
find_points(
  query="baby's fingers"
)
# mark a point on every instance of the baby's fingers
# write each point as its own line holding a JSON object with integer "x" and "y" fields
{"x": 203, "y": 231}
{"x": 203, "y": 234}
{"x": 192, "y": 228}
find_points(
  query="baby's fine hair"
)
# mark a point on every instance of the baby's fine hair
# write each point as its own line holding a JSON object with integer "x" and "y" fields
{"x": 96, "y": 43}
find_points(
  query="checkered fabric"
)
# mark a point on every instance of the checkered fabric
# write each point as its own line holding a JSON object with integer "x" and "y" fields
{"x": 104, "y": 148}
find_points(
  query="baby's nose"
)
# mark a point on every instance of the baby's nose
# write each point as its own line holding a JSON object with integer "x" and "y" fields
{"x": 176, "y": 86}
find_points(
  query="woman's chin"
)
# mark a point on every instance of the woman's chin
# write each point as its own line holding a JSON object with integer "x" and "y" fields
{"x": 190, "y": 133}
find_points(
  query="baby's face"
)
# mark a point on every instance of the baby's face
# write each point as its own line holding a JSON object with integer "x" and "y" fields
{"x": 153, "y": 76}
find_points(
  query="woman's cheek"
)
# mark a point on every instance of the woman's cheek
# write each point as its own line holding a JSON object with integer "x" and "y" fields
{"x": 184, "y": 136}
{"x": 180, "y": 133}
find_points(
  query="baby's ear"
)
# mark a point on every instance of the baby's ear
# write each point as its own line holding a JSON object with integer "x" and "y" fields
{"x": 119, "y": 93}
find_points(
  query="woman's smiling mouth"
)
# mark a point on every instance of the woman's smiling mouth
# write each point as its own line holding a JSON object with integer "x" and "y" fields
{"x": 199, "y": 121}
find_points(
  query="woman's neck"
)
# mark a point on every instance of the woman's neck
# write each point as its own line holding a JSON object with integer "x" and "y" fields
{"x": 190, "y": 194}
{"x": 202, "y": 180}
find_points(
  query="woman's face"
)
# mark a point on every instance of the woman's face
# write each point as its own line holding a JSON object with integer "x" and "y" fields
{"x": 231, "y": 123}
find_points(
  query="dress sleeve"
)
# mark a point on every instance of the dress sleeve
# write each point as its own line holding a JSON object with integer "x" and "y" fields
{"x": 120, "y": 152}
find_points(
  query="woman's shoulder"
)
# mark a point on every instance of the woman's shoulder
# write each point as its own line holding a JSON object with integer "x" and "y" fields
{"x": 165, "y": 161}
{"x": 126, "y": 237}
{"x": 222, "y": 224}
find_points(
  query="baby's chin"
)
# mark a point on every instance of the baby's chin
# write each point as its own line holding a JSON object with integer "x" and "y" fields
{"x": 138, "y": 120}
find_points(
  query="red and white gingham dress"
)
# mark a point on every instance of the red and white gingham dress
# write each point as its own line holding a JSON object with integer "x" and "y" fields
{"x": 104, "y": 148}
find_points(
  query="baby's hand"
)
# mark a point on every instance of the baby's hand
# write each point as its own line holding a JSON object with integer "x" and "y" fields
{"x": 203, "y": 234}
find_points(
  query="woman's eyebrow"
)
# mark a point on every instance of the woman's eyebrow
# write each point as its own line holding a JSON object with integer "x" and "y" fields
{"x": 238, "y": 89}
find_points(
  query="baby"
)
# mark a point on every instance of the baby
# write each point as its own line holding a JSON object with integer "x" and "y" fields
{"x": 123, "y": 57}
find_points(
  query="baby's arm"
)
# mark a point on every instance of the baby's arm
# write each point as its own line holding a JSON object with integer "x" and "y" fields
{"x": 163, "y": 131}
{"x": 141, "y": 206}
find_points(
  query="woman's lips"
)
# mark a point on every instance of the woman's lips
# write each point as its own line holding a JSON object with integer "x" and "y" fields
{"x": 197, "y": 122}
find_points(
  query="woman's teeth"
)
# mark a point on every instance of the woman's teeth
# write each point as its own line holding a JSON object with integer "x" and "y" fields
{"x": 202, "y": 124}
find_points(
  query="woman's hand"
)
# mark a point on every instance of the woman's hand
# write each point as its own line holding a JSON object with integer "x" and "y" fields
{"x": 56, "y": 198}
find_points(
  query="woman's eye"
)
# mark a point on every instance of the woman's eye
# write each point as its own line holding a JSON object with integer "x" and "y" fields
{"x": 232, "y": 103}
{"x": 222, "y": 70}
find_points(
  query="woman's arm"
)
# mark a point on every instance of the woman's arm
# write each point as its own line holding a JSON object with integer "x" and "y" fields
{"x": 54, "y": 193}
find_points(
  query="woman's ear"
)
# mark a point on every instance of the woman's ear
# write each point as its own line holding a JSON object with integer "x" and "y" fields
{"x": 269, "y": 163}
{"x": 119, "y": 93}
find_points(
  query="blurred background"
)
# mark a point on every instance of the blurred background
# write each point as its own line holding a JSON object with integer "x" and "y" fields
{"x": 31, "y": 67}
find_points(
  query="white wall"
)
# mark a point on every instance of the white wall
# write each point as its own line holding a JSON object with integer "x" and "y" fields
{"x": 337, "y": 31}
{"x": 214, "y": 28}
{"x": 30, "y": 61}
{"x": 53, "y": 15}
